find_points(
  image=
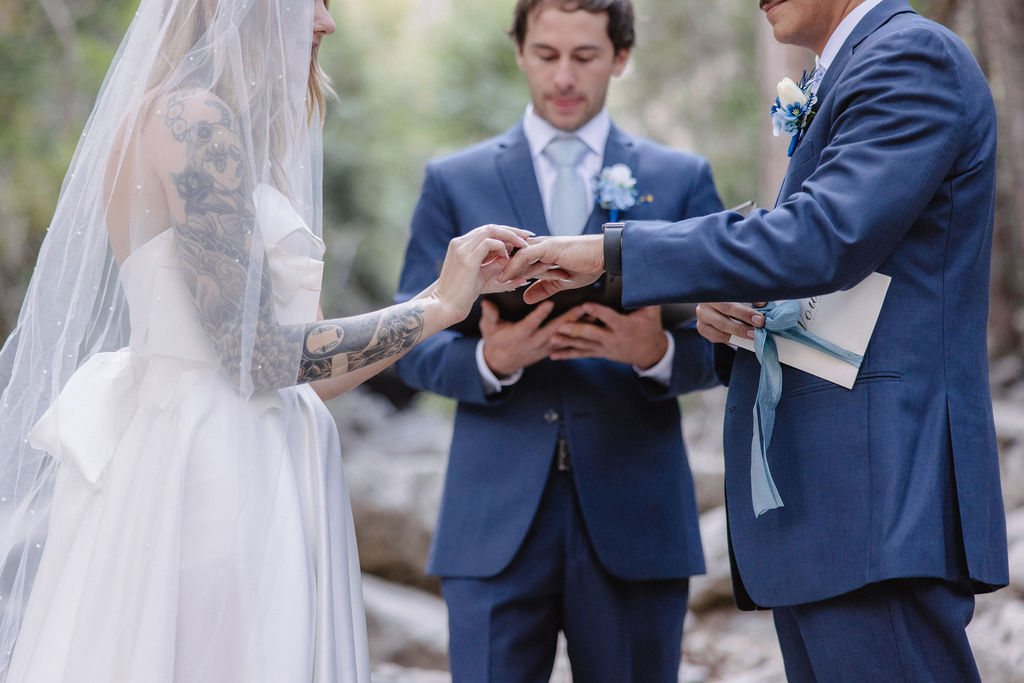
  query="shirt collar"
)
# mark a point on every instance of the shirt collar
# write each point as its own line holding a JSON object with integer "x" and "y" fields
{"x": 843, "y": 32}
{"x": 539, "y": 132}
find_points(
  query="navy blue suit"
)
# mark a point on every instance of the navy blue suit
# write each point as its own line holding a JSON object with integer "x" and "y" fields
{"x": 630, "y": 475}
{"x": 899, "y": 476}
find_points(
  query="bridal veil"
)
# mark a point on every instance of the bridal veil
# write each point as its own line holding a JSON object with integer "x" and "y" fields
{"x": 252, "y": 59}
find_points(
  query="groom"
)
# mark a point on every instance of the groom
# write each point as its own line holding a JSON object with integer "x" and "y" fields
{"x": 892, "y": 515}
{"x": 568, "y": 502}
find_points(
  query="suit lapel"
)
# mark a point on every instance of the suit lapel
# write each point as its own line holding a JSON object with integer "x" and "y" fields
{"x": 871, "y": 22}
{"x": 874, "y": 20}
{"x": 619, "y": 149}
{"x": 515, "y": 167}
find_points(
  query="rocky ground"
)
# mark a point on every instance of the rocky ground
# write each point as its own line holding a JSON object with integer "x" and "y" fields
{"x": 394, "y": 463}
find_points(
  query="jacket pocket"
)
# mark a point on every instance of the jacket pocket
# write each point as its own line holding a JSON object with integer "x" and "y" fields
{"x": 819, "y": 385}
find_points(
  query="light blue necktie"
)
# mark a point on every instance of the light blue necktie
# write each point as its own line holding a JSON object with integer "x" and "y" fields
{"x": 569, "y": 195}
{"x": 781, "y": 319}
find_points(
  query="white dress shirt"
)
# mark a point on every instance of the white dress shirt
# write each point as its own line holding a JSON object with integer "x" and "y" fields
{"x": 595, "y": 135}
{"x": 843, "y": 32}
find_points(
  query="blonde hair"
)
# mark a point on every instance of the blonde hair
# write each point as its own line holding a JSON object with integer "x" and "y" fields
{"x": 320, "y": 88}
{"x": 243, "y": 83}
{"x": 185, "y": 30}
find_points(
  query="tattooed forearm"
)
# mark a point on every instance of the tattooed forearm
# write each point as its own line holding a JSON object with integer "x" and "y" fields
{"x": 334, "y": 347}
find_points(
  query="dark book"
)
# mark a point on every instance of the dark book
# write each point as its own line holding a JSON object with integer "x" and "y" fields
{"x": 607, "y": 291}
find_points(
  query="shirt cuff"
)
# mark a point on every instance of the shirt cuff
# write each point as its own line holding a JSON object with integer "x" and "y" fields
{"x": 661, "y": 371}
{"x": 493, "y": 385}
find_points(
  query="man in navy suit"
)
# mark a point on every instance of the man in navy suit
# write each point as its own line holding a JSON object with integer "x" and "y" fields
{"x": 892, "y": 516}
{"x": 568, "y": 503}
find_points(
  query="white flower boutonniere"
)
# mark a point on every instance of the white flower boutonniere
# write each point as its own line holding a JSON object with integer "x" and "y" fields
{"x": 616, "y": 190}
{"x": 793, "y": 110}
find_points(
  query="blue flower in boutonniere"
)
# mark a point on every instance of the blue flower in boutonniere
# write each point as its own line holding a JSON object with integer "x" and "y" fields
{"x": 793, "y": 110}
{"x": 616, "y": 190}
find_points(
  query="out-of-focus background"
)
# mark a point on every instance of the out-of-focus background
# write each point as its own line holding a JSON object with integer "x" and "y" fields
{"x": 418, "y": 78}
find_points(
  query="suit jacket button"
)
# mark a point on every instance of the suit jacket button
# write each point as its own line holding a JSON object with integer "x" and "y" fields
{"x": 551, "y": 416}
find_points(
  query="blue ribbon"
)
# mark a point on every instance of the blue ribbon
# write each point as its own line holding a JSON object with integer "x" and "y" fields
{"x": 794, "y": 141}
{"x": 781, "y": 319}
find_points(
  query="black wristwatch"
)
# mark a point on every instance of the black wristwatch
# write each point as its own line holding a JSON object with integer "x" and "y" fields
{"x": 613, "y": 247}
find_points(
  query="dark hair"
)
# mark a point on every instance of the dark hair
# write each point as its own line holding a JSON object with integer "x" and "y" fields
{"x": 620, "y": 18}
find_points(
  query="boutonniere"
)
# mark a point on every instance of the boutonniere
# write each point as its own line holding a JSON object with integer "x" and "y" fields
{"x": 793, "y": 110}
{"x": 616, "y": 191}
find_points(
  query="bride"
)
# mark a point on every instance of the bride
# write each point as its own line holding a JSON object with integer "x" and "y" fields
{"x": 172, "y": 506}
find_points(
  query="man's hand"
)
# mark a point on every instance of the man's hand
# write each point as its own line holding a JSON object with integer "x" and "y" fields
{"x": 511, "y": 346}
{"x": 558, "y": 263}
{"x": 471, "y": 267}
{"x": 635, "y": 338}
{"x": 718, "y": 322}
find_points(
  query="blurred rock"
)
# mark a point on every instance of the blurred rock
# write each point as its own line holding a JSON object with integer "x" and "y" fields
{"x": 708, "y": 478}
{"x": 394, "y": 465}
{"x": 997, "y": 638}
{"x": 1015, "y": 540}
{"x": 392, "y": 673}
{"x": 405, "y": 626}
{"x": 713, "y": 589}
{"x": 1009, "y": 419}
{"x": 733, "y": 646}
{"x": 394, "y": 505}
{"x": 702, "y": 431}
{"x": 370, "y": 425}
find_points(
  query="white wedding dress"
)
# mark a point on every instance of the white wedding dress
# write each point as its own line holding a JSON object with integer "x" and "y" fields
{"x": 196, "y": 535}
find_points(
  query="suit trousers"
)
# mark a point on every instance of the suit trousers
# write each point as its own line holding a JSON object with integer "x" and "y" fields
{"x": 899, "y": 630}
{"x": 505, "y": 628}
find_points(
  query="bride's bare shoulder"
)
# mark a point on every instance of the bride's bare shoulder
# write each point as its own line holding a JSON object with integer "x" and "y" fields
{"x": 185, "y": 130}
{"x": 184, "y": 119}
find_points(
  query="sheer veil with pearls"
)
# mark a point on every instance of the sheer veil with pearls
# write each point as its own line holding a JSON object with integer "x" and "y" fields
{"x": 249, "y": 60}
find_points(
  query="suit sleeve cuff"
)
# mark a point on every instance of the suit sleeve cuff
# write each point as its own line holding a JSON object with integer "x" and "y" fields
{"x": 613, "y": 248}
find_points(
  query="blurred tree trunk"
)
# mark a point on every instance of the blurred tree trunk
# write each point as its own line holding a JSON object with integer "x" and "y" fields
{"x": 1001, "y": 23}
{"x": 776, "y": 61}
{"x": 995, "y": 31}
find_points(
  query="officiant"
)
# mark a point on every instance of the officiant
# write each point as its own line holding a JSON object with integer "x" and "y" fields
{"x": 867, "y": 518}
{"x": 568, "y": 503}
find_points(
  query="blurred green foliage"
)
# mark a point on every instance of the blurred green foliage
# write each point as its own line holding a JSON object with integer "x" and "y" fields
{"x": 412, "y": 83}
{"x": 51, "y": 67}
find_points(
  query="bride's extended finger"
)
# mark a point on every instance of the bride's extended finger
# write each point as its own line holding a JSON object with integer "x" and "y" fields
{"x": 487, "y": 251}
{"x": 513, "y": 237}
{"x": 527, "y": 261}
{"x": 534, "y": 271}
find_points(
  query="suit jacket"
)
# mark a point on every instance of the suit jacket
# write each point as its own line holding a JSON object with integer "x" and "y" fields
{"x": 899, "y": 476}
{"x": 630, "y": 469}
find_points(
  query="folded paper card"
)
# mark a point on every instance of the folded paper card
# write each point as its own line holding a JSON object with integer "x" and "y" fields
{"x": 845, "y": 318}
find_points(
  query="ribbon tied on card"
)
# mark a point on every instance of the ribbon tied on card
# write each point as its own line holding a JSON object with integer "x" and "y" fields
{"x": 781, "y": 320}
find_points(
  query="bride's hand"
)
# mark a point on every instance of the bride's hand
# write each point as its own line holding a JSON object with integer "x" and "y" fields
{"x": 473, "y": 263}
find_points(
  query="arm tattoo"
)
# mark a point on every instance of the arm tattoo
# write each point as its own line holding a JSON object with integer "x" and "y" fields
{"x": 340, "y": 346}
{"x": 215, "y": 242}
